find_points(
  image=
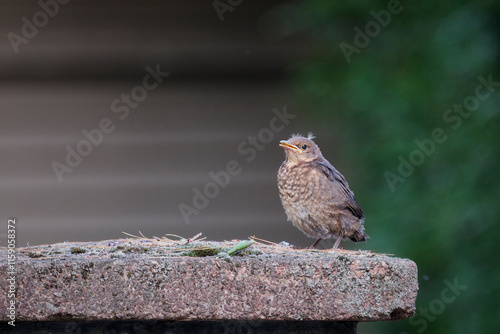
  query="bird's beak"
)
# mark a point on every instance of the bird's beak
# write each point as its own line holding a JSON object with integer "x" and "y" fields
{"x": 287, "y": 146}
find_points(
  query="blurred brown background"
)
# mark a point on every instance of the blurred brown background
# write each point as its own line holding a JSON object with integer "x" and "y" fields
{"x": 225, "y": 79}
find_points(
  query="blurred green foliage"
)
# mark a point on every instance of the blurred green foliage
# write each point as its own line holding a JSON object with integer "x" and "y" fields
{"x": 396, "y": 90}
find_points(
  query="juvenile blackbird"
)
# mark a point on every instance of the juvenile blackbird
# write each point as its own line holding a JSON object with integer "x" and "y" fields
{"x": 315, "y": 196}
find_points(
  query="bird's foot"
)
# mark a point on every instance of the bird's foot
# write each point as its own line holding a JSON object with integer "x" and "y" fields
{"x": 337, "y": 242}
{"x": 315, "y": 244}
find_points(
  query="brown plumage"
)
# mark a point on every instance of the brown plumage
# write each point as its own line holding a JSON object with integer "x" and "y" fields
{"x": 315, "y": 196}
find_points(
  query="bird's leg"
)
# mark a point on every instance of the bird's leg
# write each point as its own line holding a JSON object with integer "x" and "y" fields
{"x": 337, "y": 242}
{"x": 315, "y": 244}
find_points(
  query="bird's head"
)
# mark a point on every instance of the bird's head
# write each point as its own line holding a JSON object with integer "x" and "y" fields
{"x": 300, "y": 149}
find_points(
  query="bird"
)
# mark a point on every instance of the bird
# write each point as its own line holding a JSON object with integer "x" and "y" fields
{"x": 316, "y": 196}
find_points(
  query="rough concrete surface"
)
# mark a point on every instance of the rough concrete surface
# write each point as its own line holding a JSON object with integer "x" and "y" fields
{"x": 146, "y": 279}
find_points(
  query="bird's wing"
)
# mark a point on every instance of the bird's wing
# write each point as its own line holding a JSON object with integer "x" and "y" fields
{"x": 339, "y": 182}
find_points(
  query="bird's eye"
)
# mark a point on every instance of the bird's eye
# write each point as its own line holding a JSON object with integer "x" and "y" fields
{"x": 304, "y": 146}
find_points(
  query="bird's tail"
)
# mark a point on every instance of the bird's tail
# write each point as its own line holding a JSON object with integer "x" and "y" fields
{"x": 359, "y": 236}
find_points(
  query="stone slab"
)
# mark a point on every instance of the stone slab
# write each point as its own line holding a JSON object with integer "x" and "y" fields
{"x": 147, "y": 279}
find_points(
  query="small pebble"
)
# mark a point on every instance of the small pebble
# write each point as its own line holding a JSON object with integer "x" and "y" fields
{"x": 286, "y": 244}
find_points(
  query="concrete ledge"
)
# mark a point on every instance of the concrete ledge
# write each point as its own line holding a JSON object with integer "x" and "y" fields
{"x": 143, "y": 279}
